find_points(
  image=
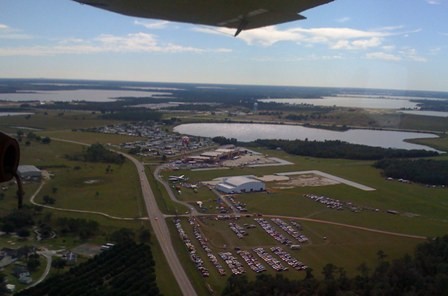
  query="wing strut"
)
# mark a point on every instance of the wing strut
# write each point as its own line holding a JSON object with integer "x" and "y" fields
{"x": 241, "y": 27}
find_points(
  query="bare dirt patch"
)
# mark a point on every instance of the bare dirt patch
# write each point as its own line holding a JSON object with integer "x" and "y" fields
{"x": 305, "y": 181}
{"x": 247, "y": 159}
{"x": 90, "y": 182}
{"x": 87, "y": 250}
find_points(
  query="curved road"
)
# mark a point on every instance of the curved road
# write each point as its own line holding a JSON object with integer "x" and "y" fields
{"x": 193, "y": 210}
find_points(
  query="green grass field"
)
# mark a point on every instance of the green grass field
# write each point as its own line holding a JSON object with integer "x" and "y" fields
{"x": 88, "y": 186}
{"x": 341, "y": 247}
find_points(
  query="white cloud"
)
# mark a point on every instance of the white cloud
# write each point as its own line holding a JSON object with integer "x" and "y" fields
{"x": 376, "y": 43}
{"x": 152, "y": 25}
{"x": 7, "y": 32}
{"x": 388, "y": 47}
{"x": 404, "y": 54}
{"x": 335, "y": 38}
{"x": 383, "y": 56}
{"x": 312, "y": 57}
{"x": 131, "y": 43}
{"x": 358, "y": 44}
{"x": 435, "y": 50}
{"x": 343, "y": 19}
{"x": 434, "y": 2}
{"x": 411, "y": 54}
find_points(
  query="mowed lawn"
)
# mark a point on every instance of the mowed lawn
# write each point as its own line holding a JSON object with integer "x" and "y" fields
{"x": 88, "y": 186}
{"x": 53, "y": 120}
{"x": 422, "y": 210}
{"x": 109, "y": 188}
{"x": 346, "y": 248}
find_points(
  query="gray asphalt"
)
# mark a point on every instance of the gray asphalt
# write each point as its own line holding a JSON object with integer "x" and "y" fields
{"x": 193, "y": 210}
{"x": 158, "y": 225}
{"x": 161, "y": 231}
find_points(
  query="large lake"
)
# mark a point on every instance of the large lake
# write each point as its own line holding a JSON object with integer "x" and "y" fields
{"x": 250, "y": 132}
{"x": 3, "y": 114}
{"x": 369, "y": 102}
{"x": 92, "y": 95}
{"x": 427, "y": 113}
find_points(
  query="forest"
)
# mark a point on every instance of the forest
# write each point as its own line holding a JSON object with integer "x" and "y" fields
{"x": 126, "y": 269}
{"x": 426, "y": 273}
{"x": 340, "y": 149}
{"x": 426, "y": 171}
{"x": 97, "y": 153}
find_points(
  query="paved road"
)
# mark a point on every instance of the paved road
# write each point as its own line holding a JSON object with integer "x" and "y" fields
{"x": 161, "y": 231}
{"x": 193, "y": 210}
{"x": 48, "y": 255}
{"x": 159, "y": 226}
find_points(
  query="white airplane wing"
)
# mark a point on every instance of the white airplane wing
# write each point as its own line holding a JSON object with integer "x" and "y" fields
{"x": 238, "y": 14}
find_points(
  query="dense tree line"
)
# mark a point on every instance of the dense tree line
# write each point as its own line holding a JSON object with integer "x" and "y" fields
{"x": 125, "y": 269}
{"x": 17, "y": 220}
{"x": 135, "y": 115}
{"x": 192, "y": 107}
{"x": 340, "y": 149}
{"x": 80, "y": 227}
{"x": 3, "y": 289}
{"x": 432, "y": 105}
{"x": 98, "y": 153}
{"x": 274, "y": 106}
{"x": 225, "y": 141}
{"x": 424, "y": 274}
{"x": 424, "y": 171}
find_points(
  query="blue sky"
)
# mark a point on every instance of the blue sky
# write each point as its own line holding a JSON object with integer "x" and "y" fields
{"x": 399, "y": 44}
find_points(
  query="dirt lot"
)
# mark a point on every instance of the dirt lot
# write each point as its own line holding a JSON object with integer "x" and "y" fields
{"x": 87, "y": 250}
{"x": 305, "y": 180}
{"x": 248, "y": 159}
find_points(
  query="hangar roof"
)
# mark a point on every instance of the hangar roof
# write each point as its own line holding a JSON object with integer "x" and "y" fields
{"x": 27, "y": 169}
{"x": 239, "y": 180}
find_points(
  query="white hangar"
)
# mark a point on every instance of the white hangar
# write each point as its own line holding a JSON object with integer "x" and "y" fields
{"x": 29, "y": 172}
{"x": 240, "y": 184}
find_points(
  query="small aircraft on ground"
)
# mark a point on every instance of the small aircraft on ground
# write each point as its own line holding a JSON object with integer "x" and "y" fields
{"x": 177, "y": 178}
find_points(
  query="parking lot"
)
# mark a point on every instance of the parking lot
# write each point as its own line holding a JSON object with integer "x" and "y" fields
{"x": 243, "y": 259}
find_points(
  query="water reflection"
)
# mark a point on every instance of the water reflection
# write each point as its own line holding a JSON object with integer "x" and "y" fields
{"x": 251, "y": 132}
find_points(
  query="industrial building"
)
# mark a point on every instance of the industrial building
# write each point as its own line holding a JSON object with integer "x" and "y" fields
{"x": 29, "y": 172}
{"x": 240, "y": 184}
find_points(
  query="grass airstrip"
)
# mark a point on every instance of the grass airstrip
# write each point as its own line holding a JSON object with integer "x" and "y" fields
{"x": 422, "y": 211}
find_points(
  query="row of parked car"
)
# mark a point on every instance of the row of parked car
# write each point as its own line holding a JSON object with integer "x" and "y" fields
{"x": 250, "y": 259}
{"x": 238, "y": 230}
{"x": 191, "y": 249}
{"x": 203, "y": 242}
{"x": 269, "y": 259}
{"x": 291, "y": 230}
{"x": 273, "y": 232}
{"x": 232, "y": 262}
{"x": 290, "y": 260}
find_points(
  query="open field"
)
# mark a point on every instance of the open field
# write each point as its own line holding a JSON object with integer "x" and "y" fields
{"x": 52, "y": 120}
{"x": 422, "y": 211}
{"x": 87, "y": 186}
{"x": 341, "y": 247}
{"x": 440, "y": 143}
